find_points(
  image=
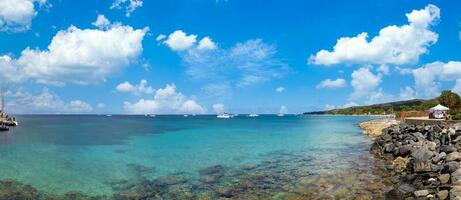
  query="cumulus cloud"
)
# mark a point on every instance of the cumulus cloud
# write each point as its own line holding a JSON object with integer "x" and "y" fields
{"x": 17, "y": 15}
{"x": 280, "y": 89}
{"x": 364, "y": 83}
{"x": 393, "y": 45}
{"x": 45, "y": 102}
{"x": 179, "y": 40}
{"x": 101, "y": 22}
{"x": 332, "y": 84}
{"x": 206, "y": 44}
{"x": 219, "y": 108}
{"x": 81, "y": 56}
{"x": 407, "y": 93}
{"x": 129, "y": 5}
{"x": 166, "y": 101}
{"x": 428, "y": 77}
{"x": 141, "y": 88}
{"x": 160, "y": 37}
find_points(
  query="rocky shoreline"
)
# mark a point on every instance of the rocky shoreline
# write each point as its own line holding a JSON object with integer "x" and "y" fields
{"x": 423, "y": 160}
{"x": 375, "y": 127}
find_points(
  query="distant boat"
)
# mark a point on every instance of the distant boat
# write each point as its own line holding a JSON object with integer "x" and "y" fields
{"x": 186, "y": 115}
{"x": 283, "y": 111}
{"x": 224, "y": 116}
{"x": 108, "y": 115}
{"x": 4, "y": 128}
{"x": 151, "y": 115}
{"x": 253, "y": 115}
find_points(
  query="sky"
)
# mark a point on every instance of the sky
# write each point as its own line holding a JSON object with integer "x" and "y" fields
{"x": 213, "y": 56}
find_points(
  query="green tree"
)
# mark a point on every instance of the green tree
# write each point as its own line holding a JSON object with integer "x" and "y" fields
{"x": 449, "y": 98}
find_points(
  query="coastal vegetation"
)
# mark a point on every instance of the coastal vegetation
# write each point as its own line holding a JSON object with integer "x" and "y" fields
{"x": 446, "y": 98}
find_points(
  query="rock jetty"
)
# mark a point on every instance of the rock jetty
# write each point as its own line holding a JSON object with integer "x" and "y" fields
{"x": 424, "y": 160}
{"x": 375, "y": 127}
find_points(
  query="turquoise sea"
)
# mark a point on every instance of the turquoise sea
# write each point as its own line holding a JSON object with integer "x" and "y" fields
{"x": 200, "y": 155}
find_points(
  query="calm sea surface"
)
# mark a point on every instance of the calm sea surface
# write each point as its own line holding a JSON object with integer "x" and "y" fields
{"x": 91, "y": 154}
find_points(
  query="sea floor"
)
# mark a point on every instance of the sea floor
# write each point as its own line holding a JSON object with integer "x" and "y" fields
{"x": 291, "y": 158}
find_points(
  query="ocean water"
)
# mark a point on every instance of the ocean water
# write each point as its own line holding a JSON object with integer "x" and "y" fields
{"x": 88, "y": 154}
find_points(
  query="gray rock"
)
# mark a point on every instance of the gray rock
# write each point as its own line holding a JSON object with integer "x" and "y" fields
{"x": 422, "y": 154}
{"x": 405, "y": 150}
{"x": 421, "y": 193}
{"x": 439, "y": 157}
{"x": 430, "y": 145}
{"x": 447, "y": 148}
{"x": 453, "y": 156}
{"x": 450, "y": 167}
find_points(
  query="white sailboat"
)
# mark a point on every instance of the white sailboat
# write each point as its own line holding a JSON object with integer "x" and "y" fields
{"x": 253, "y": 115}
{"x": 283, "y": 111}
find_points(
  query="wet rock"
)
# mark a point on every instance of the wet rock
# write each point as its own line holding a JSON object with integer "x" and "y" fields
{"x": 208, "y": 179}
{"x": 13, "y": 190}
{"x": 213, "y": 170}
{"x": 168, "y": 180}
{"x": 400, "y": 164}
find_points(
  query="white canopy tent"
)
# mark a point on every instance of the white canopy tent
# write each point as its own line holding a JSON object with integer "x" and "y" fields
{"x": 438, "y": 111}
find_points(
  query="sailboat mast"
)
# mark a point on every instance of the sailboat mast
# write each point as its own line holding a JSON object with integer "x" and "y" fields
{"x": 2, "y": 91}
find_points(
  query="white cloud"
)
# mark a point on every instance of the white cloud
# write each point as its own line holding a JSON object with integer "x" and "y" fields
{"x": 219, "y": 108}
{"x": 383, "y": 69}
{"x": 332, "y": 84}
{"x": 457, "y": 87}
{"x": 160, "y": 37}
{"x": 329, "y": 107}
{"x": 393, "y": 45}
{"x": 100, "y": 105}
{"x": 129, "y": 5}
{"x": 141, "y": 88}
{"x": 404, "y": 71}
{"x": 429, "y": 77}
{"x": 244, "y": 64}
{"x": 350, "y": 104}
{"x": 179, "y": 40}
{"x": 206, "y": 44}
{"x": 364, "y": 83}
{"x": 101, "y": 22}
{"x": 166, "y": 101}
{"x": 280, "y": 89}
{"x": 17, "y": 15}
{"x": 45, "y": 102}
{"x": 407, "y": 93}
{"x": 81, "y": 56}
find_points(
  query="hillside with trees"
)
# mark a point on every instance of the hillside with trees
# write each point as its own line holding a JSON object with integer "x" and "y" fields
{"x": 446, "y": 98}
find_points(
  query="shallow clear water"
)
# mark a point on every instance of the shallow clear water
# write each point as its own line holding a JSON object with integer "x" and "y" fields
{"x": 58, "y": 154}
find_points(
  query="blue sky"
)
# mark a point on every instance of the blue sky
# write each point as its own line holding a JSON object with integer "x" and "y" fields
{"x": 212, "y": 56}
